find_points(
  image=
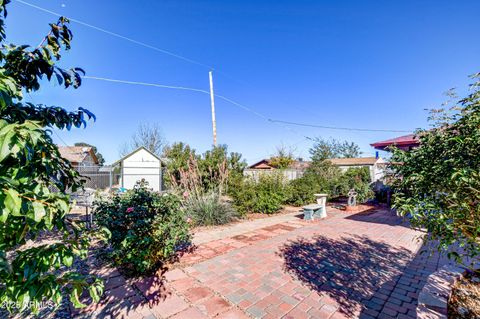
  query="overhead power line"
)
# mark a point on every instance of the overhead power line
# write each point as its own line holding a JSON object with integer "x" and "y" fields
{"x": 145, "y": 84}
{"x": 149, "y": 46}
{"x": 339, "y": 128}
{"x": 282, "y": 123}
{"x": 244, "y": 107}
{"x": 117, "y": 35}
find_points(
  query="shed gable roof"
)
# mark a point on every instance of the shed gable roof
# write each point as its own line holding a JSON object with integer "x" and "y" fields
{"x": 135, "y": 151}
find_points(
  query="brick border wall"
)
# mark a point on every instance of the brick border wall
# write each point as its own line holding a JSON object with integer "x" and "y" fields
{"x": 433, "y": 299}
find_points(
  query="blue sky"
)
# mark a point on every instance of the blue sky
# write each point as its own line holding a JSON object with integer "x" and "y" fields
{"x": 369, "y": 64}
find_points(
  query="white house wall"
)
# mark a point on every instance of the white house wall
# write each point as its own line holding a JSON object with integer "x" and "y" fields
{"x": 141, "y": 165}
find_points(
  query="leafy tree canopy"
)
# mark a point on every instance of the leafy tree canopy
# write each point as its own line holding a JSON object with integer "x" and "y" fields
{"x": 438, "y": 183}
{"x": 283, "y": 158}
{"x": 177, "y": 158}
{"x": 323, "y": 149}
{"x": 30, "y": 167}
{"x": 211, "y": 164}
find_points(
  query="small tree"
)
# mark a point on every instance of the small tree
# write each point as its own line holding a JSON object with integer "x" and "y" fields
{"x": 147, "y": 135}
{"x": 30, "y": 166}
{"x": 349, "y": 150}
{"x": 438, "y": 183}
{"x": 99, "y": 156}
{"x": 283, "y": 158}
{"x": 177, "y": 158}
{"x": 211, "y": 167}
{"x": 216, "y": 160}
{"x": 323, "y": 149}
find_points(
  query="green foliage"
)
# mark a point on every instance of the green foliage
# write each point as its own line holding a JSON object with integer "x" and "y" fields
{"x": 147, "y": 228}
{"x": 282, "y": 159}
{"x": 267, "y": 195}
{"x": 214, "y": 167}
{"x": 302, "y": 190}
{"x": 209, "y": 209}
{"x": 177, "y": 157}
{"x": 438, "y": 183}
{"x": 318, "y": 178}
{"x": 324, "y": 149}
{"x": 99, "y": 156}
{"x": 323, "y": 177}
{"x": 30, "y": 166}
{"x": 357, "y": 179}
{"x": 216, "y": 161}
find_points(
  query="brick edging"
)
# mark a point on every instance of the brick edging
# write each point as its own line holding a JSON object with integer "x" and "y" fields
{"x": 433, "y": 299}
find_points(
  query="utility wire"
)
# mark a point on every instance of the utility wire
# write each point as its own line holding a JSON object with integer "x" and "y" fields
{"x": 244, "y": 107}
{"x": 143, "y": 44}
{"x": 146, "y": 45}
{"x": 145, "y": 84}
{"x": 339, "y": 128}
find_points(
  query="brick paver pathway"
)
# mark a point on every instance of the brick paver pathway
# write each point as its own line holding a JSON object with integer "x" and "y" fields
{"x": 349, "y": 265}
{"x": 221, "y": 232}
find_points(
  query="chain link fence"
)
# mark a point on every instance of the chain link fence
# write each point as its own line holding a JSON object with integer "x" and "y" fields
{"x": 107, "y": 179}
{"x": 100, "y": 177}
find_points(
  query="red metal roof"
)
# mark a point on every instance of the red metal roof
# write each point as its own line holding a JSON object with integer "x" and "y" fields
{"x": 406, "y": 141}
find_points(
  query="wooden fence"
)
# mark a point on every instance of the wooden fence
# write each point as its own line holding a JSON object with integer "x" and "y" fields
{"x": 290, "y": 174}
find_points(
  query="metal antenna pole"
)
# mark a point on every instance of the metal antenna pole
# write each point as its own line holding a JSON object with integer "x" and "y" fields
{"x": 212, "y": 99}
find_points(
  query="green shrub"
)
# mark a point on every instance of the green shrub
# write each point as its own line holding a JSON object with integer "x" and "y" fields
{"x": 302, "y": 190}
{"x": 320, "y": 177}
{"x": 324, "y": 178}
{"x": 209, "y": 209}
{"x": 437, "y": 184}
{"x": 147, "y": 228}
{"x": 359, "y": 180}
{"x": 267, "y": 195}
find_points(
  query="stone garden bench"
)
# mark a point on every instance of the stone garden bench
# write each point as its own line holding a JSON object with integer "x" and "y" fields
{"x": 313, "y": 211}
{"x": 318, "y": 210}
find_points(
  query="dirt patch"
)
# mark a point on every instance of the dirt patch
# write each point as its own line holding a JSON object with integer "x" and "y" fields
{"x": 464, "y": 302}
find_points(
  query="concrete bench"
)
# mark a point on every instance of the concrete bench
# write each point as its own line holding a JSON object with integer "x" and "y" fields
{"x": 314, "y": 211}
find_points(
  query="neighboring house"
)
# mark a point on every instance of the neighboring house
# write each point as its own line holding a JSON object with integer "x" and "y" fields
{"x": 298, "y": 167}
{"x": 294, "y": 171}
{"x": 376, "y": 165}
{"x": 140, "y": 164}
{"x": 79, "y": 156}
{"x": 266, "y": 164}
{"x": 406, "y": 143}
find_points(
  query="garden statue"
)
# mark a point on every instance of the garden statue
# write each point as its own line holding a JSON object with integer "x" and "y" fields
{"x": 352, "y": 197}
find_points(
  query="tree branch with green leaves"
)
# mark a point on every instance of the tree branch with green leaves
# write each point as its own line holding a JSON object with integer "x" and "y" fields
{"x": 438, "y": 183}
{"x": 34, "y": 178}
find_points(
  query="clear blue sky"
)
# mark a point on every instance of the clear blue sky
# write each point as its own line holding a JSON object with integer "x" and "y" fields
{"x": 369, "y": 64}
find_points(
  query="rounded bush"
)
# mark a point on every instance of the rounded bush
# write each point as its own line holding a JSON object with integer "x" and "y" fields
{"x": 147, "y": 228}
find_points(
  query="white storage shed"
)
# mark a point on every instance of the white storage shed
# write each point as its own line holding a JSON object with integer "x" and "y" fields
{"x": 140, "y": 164}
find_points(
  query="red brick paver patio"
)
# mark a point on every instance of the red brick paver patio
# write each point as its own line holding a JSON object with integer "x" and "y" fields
{"x": 363, "y": 265}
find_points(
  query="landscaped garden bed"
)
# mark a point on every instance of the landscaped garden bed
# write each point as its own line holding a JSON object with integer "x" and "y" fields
{"x": 464, "y": 302}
